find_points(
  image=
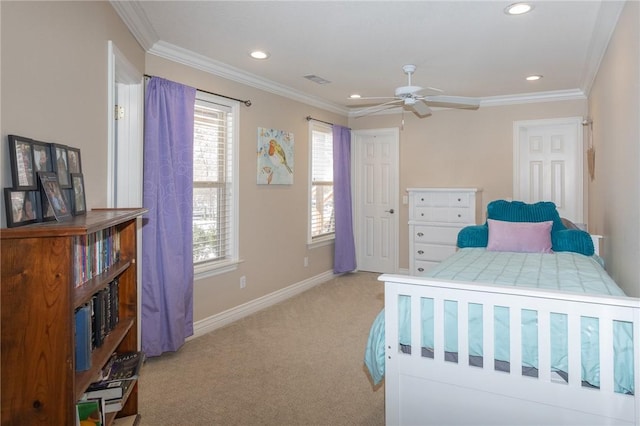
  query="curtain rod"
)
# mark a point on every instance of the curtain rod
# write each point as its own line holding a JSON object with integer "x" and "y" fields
{"x": 245, "y": 102}
{"x": 309, "y": 118}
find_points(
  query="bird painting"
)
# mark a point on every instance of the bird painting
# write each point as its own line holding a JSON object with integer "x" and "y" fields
{"x": 276, "y": 159}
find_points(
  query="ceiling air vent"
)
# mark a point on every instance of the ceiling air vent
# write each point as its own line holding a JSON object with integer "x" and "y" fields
{"x": 316, "y": 79}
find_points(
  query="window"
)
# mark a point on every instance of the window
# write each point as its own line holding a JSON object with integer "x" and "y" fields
{"x": 321, "y": 216}
{"x": 215, "y": 194}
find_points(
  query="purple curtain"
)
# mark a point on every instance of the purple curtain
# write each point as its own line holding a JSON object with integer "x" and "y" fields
{"x": 167, "y": 234}
{"x": 345, "y": 250}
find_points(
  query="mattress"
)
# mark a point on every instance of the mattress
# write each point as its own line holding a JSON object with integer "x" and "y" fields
{"x": 563, "y": 271}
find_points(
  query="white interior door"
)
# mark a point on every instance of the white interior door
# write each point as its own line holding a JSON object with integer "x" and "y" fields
{"x": 548, "y": 164}
{"x": 376, "y": 199}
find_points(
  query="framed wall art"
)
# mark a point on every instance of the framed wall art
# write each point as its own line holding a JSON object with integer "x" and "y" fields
{"x": 21, "y": 158}
{"x": 275, "y": 157}
{"x": 21, "y": 207}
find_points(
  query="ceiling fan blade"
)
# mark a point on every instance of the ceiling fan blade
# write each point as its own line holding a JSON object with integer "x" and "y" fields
{"x": 423, "y": 91}
{"x": 421, "y": 109}
{"x": 372, "y": 97}
{"x": 377, "y": 108}
{"x": 444, "y": 101}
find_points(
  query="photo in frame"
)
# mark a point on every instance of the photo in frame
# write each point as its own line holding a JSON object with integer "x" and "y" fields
{"x": 42, "y": 157}
{"x": 21, "y": 207}
{"x": 78, "y": 197}
{"x": 75, "y": 165}
{"x": 61, "y": 164}
{"x": 21, "y": 158}
{"x": 55, "y": 197}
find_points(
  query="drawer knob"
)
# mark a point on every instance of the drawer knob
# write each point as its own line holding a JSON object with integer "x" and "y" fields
{"x": 420, "y": 234}
{"x": 459, "y": 199}
{"x": 420, "y": 251}
{"x": 420, "y": 269}
{"x": 459, "y": 215}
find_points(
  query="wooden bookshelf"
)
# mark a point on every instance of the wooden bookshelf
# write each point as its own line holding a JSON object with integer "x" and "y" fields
{"x": 39, "y": 384}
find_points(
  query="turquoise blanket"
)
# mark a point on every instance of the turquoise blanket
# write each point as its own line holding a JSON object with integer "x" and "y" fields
{"x": 564, "y": 271}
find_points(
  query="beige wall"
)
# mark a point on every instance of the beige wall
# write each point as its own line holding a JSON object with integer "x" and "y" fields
{"x": 461, "y": 149}
{"x": 54, "y": 88}
{"x": 273, "y": 218}
{"x": 54, "y": 80}
{"x": 614, "y": 202}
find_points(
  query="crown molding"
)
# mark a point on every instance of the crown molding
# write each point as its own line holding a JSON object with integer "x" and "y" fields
{"x": 605, "y": 25}
{"x": 136, "y": 20}
{"x": 194, "y": 60}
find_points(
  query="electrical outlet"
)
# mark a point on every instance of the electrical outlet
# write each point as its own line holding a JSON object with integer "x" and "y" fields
{"x": 243, "y": 281}
{"x": 306, "y": 261}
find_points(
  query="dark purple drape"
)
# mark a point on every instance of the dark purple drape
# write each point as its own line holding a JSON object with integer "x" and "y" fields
{"x": 345, "y": 250}
{"x": 167, "y": 234}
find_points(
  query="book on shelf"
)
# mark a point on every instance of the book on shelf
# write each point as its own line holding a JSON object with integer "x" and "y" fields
{"x": 116, "y": 404}
{"x": 108, "y": 390}
{"x": 83, "y": 338}
{"x": 123, "y": 366}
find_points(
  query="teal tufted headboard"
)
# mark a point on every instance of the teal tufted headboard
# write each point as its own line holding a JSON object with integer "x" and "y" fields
{"x": 562, "y": 239}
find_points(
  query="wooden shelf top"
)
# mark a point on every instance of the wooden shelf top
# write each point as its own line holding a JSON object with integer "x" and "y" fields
{"x": 90, "y": 222}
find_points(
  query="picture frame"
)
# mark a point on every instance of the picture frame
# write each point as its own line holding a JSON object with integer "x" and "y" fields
{"x": 21, "y": 158}
{"x": 45, "y": 211}
{"x": 75, "y": 164}
{"x": 60, "y": 163}
{"x": 21, "y": 207}
{"x": 78, "y": 195}
{"x": 54, "y": 195}
{"x": 42, "y": 157}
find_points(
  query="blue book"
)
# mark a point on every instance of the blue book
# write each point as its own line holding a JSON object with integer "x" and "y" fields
{"x": 83, "y": 338}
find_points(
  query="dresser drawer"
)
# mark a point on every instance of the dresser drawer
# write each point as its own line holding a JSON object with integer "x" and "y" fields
{"x": 442, "y": 199}
{"x": 421, "y": 267}
{"x": 433, "y": 252}
{"x": 436, "y": 234}
{"x": 445, "y": 214}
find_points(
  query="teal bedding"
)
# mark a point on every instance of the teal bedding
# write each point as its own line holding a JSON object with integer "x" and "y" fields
{"x": 565, "y": 271}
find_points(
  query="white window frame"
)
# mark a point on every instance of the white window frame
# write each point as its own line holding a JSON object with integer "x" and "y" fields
{"x": 212, "y": 268}
{"x": 328, "y": 238}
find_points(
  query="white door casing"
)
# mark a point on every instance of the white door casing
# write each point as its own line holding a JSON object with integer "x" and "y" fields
{"x": 125, "y": 145}
{"x": 548, "y": 157}
{"x": 376, "y": 199}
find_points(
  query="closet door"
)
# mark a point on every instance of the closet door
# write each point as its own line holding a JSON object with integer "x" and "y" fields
{"x": 548, "y": 164}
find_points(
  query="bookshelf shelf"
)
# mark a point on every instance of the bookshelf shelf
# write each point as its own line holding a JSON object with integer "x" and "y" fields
{"x": 39, "y": 295}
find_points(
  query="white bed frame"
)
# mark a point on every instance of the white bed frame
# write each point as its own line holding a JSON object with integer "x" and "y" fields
{"x": 420, "y": 390}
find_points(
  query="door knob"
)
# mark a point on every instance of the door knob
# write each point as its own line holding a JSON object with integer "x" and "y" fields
{"x": 389, "y": 211}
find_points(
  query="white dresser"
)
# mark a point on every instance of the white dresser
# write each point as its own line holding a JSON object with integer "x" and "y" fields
{"x": 435, "y": 217}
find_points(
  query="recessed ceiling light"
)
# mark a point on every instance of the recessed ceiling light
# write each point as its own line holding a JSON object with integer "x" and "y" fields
{"x": 518, "y": 9}
{"x": 534, "y": 77}
{"x": 355, "y": 96}
{"x": 259, "y": 54}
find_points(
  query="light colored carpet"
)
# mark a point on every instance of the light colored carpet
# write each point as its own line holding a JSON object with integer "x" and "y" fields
{"x": 299, "y": 362}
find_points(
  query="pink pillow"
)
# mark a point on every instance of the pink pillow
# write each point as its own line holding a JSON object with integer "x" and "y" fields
{"x": 525, "y": 237}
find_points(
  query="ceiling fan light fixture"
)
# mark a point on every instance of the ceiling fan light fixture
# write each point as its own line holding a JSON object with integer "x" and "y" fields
{"x": 534, "y": 77}
{"x": 518, "y": 9}
{"x": 259, "y": 54}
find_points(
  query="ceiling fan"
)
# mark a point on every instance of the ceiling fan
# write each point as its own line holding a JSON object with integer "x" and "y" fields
{"x": 414, "y": 98}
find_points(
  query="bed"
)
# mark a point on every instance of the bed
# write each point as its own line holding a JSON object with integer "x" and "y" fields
{"x": 504, "y": 337}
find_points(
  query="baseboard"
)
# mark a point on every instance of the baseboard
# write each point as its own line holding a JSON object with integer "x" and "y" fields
{"x": 214, "y": 322}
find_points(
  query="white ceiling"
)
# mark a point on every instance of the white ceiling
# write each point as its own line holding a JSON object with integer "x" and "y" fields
{"x": 466, "y": 48}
